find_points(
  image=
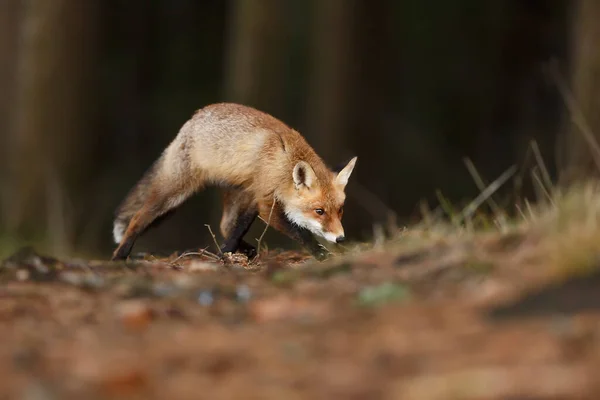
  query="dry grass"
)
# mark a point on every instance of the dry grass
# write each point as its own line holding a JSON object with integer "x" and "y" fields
{"x": 409, "y": 313}
{"x": 560, "y": 230}
{"x": 569, "y": 229}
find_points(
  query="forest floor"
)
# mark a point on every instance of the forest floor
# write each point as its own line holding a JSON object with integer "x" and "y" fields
{"x": 434, "y": 313}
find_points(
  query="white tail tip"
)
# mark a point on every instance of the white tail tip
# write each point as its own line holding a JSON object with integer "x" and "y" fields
{"x": 118, "y": 231}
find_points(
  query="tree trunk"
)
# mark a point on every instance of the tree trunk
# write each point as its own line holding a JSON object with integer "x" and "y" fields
{"x": 50, "y": 139}
{"x": 582, "y": 142}
{"x": 256, "y": 55}
{"x": 9, "y": 17}
{"x": 329, "y": 78}
{"x": 368, "y": 106}
{"x": 255, "y": 62}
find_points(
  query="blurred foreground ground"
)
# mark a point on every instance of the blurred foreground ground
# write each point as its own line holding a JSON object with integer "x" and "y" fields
{"x": 485, "y": 316}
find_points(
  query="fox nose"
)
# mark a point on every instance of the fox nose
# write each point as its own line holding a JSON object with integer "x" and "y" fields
{"x": 340, "y": 239}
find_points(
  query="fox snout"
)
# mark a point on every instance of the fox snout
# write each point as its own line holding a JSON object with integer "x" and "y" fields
{"x": 334, "y": 235}
{"x": 333, "y": 238}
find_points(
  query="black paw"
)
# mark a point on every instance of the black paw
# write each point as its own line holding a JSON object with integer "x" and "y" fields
{"x": 122, "y": 252}
{"x": 321, "y": 253}
{"x": 247, "y": 249}
{"x": 119, "y": 254}
{"x": 244, "y": 248}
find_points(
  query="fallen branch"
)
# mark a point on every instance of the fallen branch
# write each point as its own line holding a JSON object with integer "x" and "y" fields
{"x": 201, "y": 253}
{"x": 214, "y": 238}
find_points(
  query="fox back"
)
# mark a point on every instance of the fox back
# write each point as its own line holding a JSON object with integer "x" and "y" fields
{"x": 236, "y": 146}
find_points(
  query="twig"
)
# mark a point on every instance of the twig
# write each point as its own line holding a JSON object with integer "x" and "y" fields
{"x": 378, "y": 236}
{"x": 520, "y": 211}
{"x": 214, "y": 238}
{"x": 540, "y": 161}
{"x": 203, "y": 252}
{"x": 447, "y": 208}
{"x": 535, "y": 177}
{"x": 259, "y": 240}
{"x": 529, "y": 209}
{"x": 210, "y": 254}
{"x": 577, "y": 115}
{"x": 173, "y": 264}
{"x": 429, "y": 218}
{"x": 520, "y": 175}
{"x": 487, "y": 192}
{"x": 481, "y": 186}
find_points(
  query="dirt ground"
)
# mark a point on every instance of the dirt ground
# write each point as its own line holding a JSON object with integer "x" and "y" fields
{"x": 476, "y": 318}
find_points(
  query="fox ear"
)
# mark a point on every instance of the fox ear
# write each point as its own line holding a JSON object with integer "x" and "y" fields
{"x": 303, "y": 175}
{"x": 340, "y": 166}
{"x": 343, "y": 176}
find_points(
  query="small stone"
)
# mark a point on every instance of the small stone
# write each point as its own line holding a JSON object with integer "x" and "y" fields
{"x": 38, "y": 391}
{"x": 205, "y": 298}
{"x": 184, "y": 281}
{"x": 243, "y": 293}
{"x": 201, "y": 266}
{"x": 93, "y": 281}
{"x": 487, "y": 290}
{"x": 135, "y": 314}
{"x": 162, "y": 289}
{"x": 286, "y": 308}
{"x": 22, "y": 275}
{"x": 124, "y": 383}
{"x": 71, "y": 278}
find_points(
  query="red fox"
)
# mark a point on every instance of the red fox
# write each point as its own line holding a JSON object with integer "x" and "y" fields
{"x": 264, "y": 167}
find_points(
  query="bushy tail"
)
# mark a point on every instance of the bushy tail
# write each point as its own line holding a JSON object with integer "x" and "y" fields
{"x": 134, "y": 200}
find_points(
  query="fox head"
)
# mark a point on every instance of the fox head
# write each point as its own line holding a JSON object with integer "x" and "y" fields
{"x": 318, "y": 201}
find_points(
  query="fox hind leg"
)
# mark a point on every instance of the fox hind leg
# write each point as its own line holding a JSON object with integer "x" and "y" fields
{"x": 239, "y": 212}
{"x": 157, "y": 205}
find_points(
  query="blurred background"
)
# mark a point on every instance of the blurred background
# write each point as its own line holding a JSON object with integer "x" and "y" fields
{"x": 92, "y": 91}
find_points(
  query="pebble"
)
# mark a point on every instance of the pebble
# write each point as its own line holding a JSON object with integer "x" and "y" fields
{"x": 184, "y": 281}
{"x": 162, "y": 289}
{"x": 38, "y": 391}
{"x": 200, "y": 266}
{"x": 285, "y": 308}
{"x": 124, "y": 383}
{"x": 205, "y": 298}
{"x": 243, "y": 293}
{"x": 93, "y": 281}
{"x": 22, "y": 275}
{"x": 135, "y": 314}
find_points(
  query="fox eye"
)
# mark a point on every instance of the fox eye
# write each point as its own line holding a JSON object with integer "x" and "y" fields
{"x": 320, "y": 211}
{"x": 341, "y": 209}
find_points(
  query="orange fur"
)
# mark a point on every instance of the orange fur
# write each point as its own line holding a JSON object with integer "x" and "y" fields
{"x": 256, "y": 157}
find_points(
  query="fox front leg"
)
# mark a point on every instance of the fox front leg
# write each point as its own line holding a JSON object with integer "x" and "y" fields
{"x": 239, "y": 211}
{"x": 308, "y": 241}
{"x": 235, "y": 236}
